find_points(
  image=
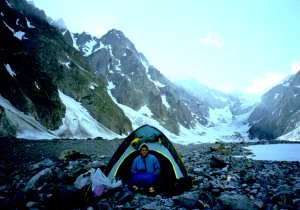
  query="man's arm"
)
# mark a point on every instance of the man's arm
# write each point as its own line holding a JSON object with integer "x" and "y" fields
{"x": 156, "y": 166}
{"x": 134, "y": 166}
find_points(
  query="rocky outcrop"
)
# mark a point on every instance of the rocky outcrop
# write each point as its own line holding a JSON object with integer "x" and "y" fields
{"x": 133, "y": 82}
{"x": 37, "y": 61}
{"x": 23, "y": 81}
{"x": 44, "y": 59}
{"x": 278, "y": 112}
{"x": 6, "y": 129}
{"x": 117, "y": 62}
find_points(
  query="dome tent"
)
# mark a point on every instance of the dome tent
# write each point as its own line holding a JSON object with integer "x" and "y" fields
{"x": 173, "y": 176}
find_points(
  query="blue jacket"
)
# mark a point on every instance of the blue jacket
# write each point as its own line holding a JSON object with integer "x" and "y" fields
{"x": 152, "y": 165}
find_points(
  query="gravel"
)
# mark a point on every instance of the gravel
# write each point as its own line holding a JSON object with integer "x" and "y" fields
{"x": 220, "y": 180}
{"x": 18, "y": 153}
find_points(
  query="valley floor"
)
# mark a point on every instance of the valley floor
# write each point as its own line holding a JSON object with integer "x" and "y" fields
{"x": 220, "y": 178}
{"x": 17, "y": 153}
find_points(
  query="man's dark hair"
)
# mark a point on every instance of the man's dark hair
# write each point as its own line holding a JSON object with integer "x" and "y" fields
{"x": 144, "y": 146}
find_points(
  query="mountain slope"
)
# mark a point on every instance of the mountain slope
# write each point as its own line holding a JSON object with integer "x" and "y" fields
{"x": 279, "y": 111}
{"x": 134, "y": 83}
{"x": 36, "y": 61}
{"x": 115, "y": 89}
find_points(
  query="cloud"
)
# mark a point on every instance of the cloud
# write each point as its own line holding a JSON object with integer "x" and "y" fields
{"x": 260, "y": 85}
{"x": 211, "y": 39}
{"x": 295, "y": 67}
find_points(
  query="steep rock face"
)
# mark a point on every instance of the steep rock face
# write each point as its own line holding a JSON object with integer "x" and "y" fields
{"x": 278, "y": 112}
{"x": 23, "y": 82}
{"x": 6, "y": 129}
{"x": 36, "y": 61}
{"x": 200, "y": 98}
{"x": 133, "y": 81}
{"x": 174, "y": 108}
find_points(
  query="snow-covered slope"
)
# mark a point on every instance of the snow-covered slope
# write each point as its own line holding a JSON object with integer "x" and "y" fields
{"x": 293, "y": 135}
{"x": 27, "y": 127}
{"x": 278, "y": 114}
{"x": 118, "y": 89}
{"x": 77, "y": 123}
{"x": 223, "y": 126}
{"x": 36, "y": 61}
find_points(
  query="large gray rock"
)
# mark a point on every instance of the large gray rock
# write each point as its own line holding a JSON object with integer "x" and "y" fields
{"x": 39, "y": 179}
{"x": 237, "y": 202}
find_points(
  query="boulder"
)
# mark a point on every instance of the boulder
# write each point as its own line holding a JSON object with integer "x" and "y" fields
{"x": 39, "y": 179}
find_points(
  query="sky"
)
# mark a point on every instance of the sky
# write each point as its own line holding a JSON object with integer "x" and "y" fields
{"x": 246, "y": 46}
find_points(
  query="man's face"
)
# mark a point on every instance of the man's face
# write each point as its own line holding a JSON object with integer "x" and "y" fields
{"x": 144, "y": 151}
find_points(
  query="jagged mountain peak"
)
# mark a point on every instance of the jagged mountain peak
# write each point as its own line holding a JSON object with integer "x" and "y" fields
{"x": 286, "y": 85}
{"x": 279, "y": 110}
{"x": 132, "y": 81}
{"x": 116, "y": 38}
{"x": 115, "y": 32}
{"x": 83, "y": 38}
{"x": 133, "y": 86}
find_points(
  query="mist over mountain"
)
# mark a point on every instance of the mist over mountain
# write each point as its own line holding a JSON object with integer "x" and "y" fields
{"x": 60, "y": 23}
{"x": 59, "y": 84}
{"x": 135, "y": 83}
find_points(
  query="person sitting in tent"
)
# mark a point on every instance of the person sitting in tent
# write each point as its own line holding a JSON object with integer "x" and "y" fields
{"x": 145, "y": 169}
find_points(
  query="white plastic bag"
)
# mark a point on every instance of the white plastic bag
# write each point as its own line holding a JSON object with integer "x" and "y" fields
{"x": 100, "y": 183}
{"x": 84, "y": 179}
{"x": 99, "y": 179}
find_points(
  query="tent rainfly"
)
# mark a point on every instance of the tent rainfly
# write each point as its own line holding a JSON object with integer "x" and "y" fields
{"x": 174, "y": 175}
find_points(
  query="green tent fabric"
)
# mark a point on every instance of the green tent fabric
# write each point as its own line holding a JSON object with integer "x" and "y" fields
{"x": 174, "y": 175}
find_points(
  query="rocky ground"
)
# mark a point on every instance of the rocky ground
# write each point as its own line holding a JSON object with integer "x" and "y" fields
{"x": 41, "y": 175}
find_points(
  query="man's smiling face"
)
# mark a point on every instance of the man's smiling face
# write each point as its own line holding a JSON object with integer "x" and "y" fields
{"x": 144, "y": 151}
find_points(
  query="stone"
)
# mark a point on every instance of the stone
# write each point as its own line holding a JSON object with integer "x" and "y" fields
{"x": 152, "y": 206}
{"x": 235, "y": 201}
{"x": 70, "y": 154}
{"x": 39, "y": 179}
{"x": 217, "y": 162}
{"x": 168, "y": 202}
{"x": 198, "y": 170}
{"x": 44, "y": 163}
{"x": 32, "y": 204}
{"x": 187, "y": 200}
{"x": 296, "y": 188}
